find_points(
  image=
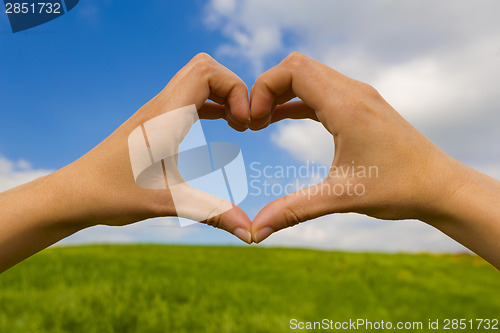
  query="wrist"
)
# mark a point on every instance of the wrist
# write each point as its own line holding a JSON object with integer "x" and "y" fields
{"x": 63, "y": 201}
{"x": 31, "y": 220}
{"x": 469, "y": 215}
{"x": 446, "y": 190}
{"x": 461, "y": 194}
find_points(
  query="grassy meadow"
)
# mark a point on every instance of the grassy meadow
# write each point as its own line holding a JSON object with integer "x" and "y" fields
{"x": 162, "y": 288}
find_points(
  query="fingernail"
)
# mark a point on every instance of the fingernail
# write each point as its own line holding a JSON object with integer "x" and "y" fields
{"x": 260, "y": 116}
{"x": 244, "y": 235}
{"x": 263, "y": 234}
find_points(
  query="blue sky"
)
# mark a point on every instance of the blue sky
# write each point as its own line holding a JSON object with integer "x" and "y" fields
{"x": 66, "y": 85}
{"x": 80, "y": 76}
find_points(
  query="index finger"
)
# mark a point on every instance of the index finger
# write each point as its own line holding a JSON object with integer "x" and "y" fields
{"x": 296, "y": 76}
{"x": 227, "y": 89}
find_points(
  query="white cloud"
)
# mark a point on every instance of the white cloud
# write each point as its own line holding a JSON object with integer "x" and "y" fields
{"x": 15, "y": 173}
{"x": 362, "y": 233}
{"x": 419, "y": 88}
{"x": 224, "y": 7}
{"x": 306, "y": 140}
{"x": 251, "y": 38}
{"x": 384, "y": 31}
{"x": 157, "y": 230}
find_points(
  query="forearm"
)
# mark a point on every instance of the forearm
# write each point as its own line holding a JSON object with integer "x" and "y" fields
{"x": 471, "y": 215}
{"x": 32, "y": 217}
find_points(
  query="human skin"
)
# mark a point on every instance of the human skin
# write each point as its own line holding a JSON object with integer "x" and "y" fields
{"x": 99, "y": 188}
{"x": 416, "y": 179}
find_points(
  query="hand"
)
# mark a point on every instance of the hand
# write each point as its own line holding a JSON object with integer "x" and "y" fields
{"x": 103, "y": 190}
{"x": 99, "y": 188}
{"x": 410, "y": 178}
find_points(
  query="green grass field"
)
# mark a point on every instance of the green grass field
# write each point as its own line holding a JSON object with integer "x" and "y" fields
{"x": 158, "y": 288}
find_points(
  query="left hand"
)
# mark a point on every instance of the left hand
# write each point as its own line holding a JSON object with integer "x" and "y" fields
{"x": 99, "y": 188}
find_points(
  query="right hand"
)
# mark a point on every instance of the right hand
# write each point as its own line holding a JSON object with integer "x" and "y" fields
{"x": 413, "y": 178}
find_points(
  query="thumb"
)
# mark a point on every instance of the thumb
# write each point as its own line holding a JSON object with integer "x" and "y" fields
{"x": 303, "y": 205}
{"x": 200, "y": 206}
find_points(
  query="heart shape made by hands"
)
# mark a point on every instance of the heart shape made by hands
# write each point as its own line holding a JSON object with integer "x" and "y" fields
{"x": 369, "y": 135}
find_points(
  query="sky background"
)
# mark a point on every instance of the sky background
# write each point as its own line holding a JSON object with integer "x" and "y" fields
{"x": 66, "y": 85}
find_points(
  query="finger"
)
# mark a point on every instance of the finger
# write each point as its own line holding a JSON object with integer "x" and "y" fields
{"x": 282, "y": 81}
{"x": 293, "y": 110}
{"x": 226, "y": 88}
{"x": 234, "y": 221}
{"x": 204, "y": 78}
{"x": 290, "y": 210}
{"x": 200, "y": 206}
{"x": 297, "y": 75}
{"x": 290, "y": 110}
{"x": 262, "y": 120}
{"x": 234, "y": 123}
{"x": 214, "y": 111}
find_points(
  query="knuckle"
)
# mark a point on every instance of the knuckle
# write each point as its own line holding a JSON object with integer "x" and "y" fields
{"x": 259, "y": 82}
{"x": 214, "y": 217}
{"x": 370, "y": 90}
{"x": 202, "y": 64}
{"x": 202, "y": 57}
{"x": 203, "y": 68}
{"x": 291, "y": 213}
{"x": 296, "y": 59}
{"x": 214, "y": 221}
{"x": 239, "y": 86}
{"x": 291, "y": 217}
{"x": 363, "y": 100}
{"x": 367, "y": 89}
